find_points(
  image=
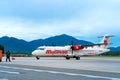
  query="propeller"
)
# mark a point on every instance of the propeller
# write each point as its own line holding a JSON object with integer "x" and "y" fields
{"x": 75, "y": 47}
{"x": 72, "y": 43}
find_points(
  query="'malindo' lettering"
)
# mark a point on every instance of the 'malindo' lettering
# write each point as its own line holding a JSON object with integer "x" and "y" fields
{"x": 56, "y": 51}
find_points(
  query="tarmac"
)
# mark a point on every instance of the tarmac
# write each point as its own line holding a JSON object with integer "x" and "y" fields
{"x": 101, "y": 64}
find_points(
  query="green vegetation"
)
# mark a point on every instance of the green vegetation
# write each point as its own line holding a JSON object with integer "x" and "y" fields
{"x": 111, "y": 53}
{"x": 20, "y": 54}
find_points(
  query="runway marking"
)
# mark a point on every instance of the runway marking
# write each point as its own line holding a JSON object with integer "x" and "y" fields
{"x": 58, "y": 72}
{"x": 9, "y": 72}
{"x": 3, "y": 79}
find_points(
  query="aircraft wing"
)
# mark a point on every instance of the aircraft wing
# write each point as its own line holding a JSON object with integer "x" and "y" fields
{"x": 91, "y": 45}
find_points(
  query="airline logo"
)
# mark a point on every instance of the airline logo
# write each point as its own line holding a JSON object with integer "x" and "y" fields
{"x": 105, "y": 42}
{"x": 56, "y": 51}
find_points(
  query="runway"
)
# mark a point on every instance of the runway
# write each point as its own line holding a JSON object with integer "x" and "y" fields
{"x": 86, "y": 63}
{"x": 88, "y": 68}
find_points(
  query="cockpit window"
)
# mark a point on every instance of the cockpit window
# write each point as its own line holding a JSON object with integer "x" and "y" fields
{"x": 41, "y": 49}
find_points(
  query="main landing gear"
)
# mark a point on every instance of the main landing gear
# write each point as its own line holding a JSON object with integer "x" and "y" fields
{"x": 77, "y": 57}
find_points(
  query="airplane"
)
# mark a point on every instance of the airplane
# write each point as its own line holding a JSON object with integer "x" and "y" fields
{"x": 73, "y": 51}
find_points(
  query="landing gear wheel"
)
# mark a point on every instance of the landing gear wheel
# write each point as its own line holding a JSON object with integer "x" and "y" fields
{"x": 67, "y": 58}
{"x": 37, "y": 57}
{"x": 0, "y": 60}
{"x": 78, "y": 58}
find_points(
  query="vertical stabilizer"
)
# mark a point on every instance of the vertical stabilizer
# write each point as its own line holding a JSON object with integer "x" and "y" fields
{"x": 105, "y": 40}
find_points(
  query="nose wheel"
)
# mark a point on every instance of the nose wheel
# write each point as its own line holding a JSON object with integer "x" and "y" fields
{"x": 37, "y": 57}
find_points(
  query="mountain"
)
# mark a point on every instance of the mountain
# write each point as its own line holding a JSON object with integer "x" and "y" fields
{"x": 18, "y": 45}
{"x": 115, "y": 48}
{"x": 59, "y": 40}
{"x": 13, "y": 44}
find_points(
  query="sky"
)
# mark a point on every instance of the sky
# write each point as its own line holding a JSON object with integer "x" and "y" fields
{"x": 40, "y": 19}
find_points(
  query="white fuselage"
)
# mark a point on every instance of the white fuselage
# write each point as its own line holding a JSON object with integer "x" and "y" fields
{"x": 52, "y": 51}
{"x": 61, "y": 51}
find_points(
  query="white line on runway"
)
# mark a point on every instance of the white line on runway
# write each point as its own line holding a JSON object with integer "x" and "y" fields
{"x": 65, "y": 73}
{"x": 3, "y": 79}
{"x": 9, "y": 72}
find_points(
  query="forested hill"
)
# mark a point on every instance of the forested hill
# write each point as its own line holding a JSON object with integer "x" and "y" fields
{"x": 18, "y": 45}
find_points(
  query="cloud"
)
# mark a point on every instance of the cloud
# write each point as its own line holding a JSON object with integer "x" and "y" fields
{"x": 36, "y": 19}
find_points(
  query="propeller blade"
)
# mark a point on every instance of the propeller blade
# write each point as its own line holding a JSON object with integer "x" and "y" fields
{"x": 72, "y": 46}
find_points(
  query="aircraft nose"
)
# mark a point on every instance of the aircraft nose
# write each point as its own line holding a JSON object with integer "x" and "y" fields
{"x": 34, "y": 52}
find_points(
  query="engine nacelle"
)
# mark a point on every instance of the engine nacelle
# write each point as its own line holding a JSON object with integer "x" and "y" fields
{"x": 77, "y": 47}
